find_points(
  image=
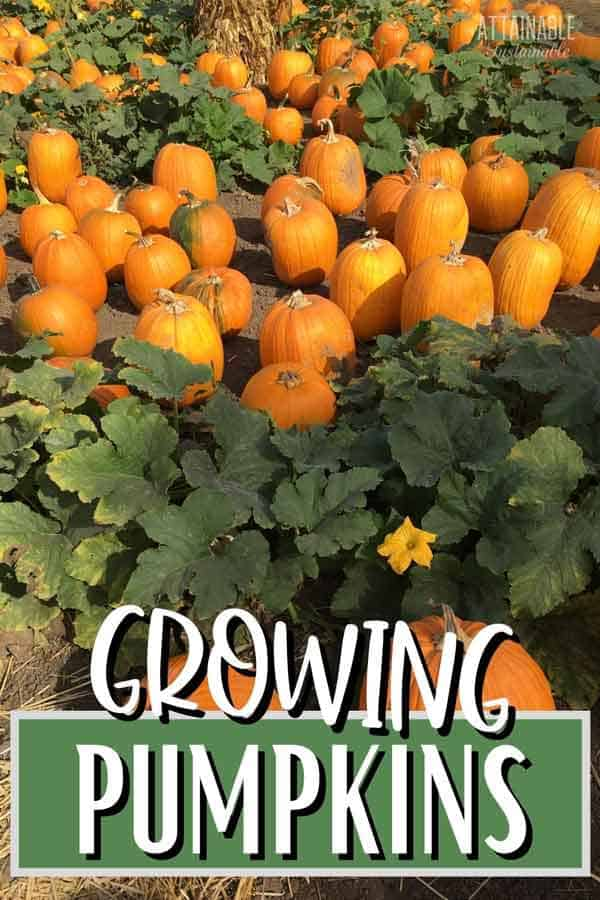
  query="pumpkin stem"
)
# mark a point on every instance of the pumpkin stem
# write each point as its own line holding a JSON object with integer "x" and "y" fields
{"x": 141, "y": 239}
{"x": 370, "y": 240}
{"x": 172, "y": 303}
{"x": 42, "y": 200}
{"x": 298, "y": 300}
{"x": 114, "y": 206}
{"x": 58, "y": 235}
{"x": 453, "y": 626}
{"x": 283, "y": 102}
{"x": 210, "y": 296}
{"x": 290, "y": 208}
{"x": 541, "y": 234}
{"x": 330, "y": 137}
{"x": 289, "y": 380}
{"x": 454, "y": 258}
{"x": 438, "y": 184}
{"x": 498, "y": 161}
{"x": 312, "y": 185}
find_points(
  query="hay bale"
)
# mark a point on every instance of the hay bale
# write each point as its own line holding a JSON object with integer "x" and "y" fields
{"x": 237, "y": 28}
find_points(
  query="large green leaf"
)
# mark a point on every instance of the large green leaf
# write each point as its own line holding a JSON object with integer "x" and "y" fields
{"x": 162, "y": 374}
{"x": 57, "y": 388}
{"x": 34, "y": 546}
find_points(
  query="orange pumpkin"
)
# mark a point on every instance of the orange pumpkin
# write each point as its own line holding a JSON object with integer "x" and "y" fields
{"x": 110, "y": 233}
{"x": 360, "y": 62}
{"x": 421, "y": 54}
{"x": 181, "y": 167}
{"x": 57, "y": 309}
{"x": 303, "y": 90}
{"x": 588, "y": 150}
{"x": 303, "y": 239}
{"x": 332, "y": 51}
{"x": 383, "y": 203}
{"x": 38, "y": 221}
{"x": 459, "y": 288}
{"x": 176, "y": 322}
{"x": 292, "y": 394}
{"x": 110, "y": 84}
{"x": 226, "y": 293}
{"x": 441, "y": 163}
{"x": 310, "y": 330}
{"x": 483, "y": 146}
{"x": 290, "y": 186}
{"x": 464, "y": 31}
{"x": 205, "y": 230}
{"x": 389, "y": 40}
{"x": 366, "y": 282}
{"x": 284, "y": 66}
{"x": 152, "y": 206}
{"x": 3, "y": 194}
{"x": 288, "y": 10}
{"x": 66, "y": 259}
{"x": 512, "y": 673}
{"x": 325, "y": 108}
{"x": 550, "y": 14}
{"x": 334, "y": 161}
{"x": 53, "y": 161}
{"x": 31, "y": 47}
{"x": 83, "y": 72}
{"x": 496, "y": 191}
{"x": 11, "y": 26}
{"x": 351, "y": 122}
{"x": 429, "y": 218}
{"x": 8, "y": 48}
{"x": 52, "y": 27}
{"x": 284, "y": 124}
{"x": 230, "y": 72}
{"x": 253, "y": 102}
{"x": 586, "y": 45}
{"x": 86, "y": 193}
{"x": 10, "y": 84}
{"x": 155, "y": 58}
{"x": 337, "y": 83}
{"x": 153, "y": 262}
{"x": 3, "y": 267}
{"x": 207, "y": 62}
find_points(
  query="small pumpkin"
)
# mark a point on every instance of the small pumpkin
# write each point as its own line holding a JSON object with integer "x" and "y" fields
{"x": 457, "y": 287}
{"x": 325, "y": 108}
{"x": 110, "y": 84}
{"x": 512, "y": 673}
{"x": 181, "y": 167}
{"x": 86, "y": 193}
{"x": 60, "y": 310}
{"x": 366, "y": 282}
{"x": 292, "y": 394}
{"x": 421, "y": 53}
{"x": 284, "y": 66}
{"x": 568, "y": 205}
{"x": 430, "y": 217}
{"x": 291, "y": 186}
{"x": 526, "y": 268}
{"x": 38, "y": 221}
{"x": 52, "y": 27}
{"x": 332, "y": 51}
{"x": 384, "y": 201}
{"x": 110, "y": 232}
{"x": 337, "y": 82}
{"x": 156, "y": 59}
{"x": 496, "y": 191}
{"x": 53, "y": 162}
{"x": 253, "y": 102}
{"x": 83, "y": 72}
{"x": 68, "y": 260}
{"x": 31, "y": 47}
{"x": 464, "y": 31}
{"x": 310, "y": 330}
{"x": 443, "y": 163}
{"x": 588, "y": 150}
{"x": 389, "y": 40}
{"x": 153, "y": 206}
{"x": 334, "y": 161}
{"x": 303, "y": 90}
{"x": 205, "y": 230}
{"x": 303, "y": 239}
{"x": 226, "y": 293}
{"x": 284, "y": 123}
{"x": 207, "y": 62}
{"x": 176, "y": 322}
{"x": 153, "y": 262}
{"x": 10, "y": 84}
{"x": 3, "y": 266}
{"x": 230, "y": 72}
{"x": 483, "y": 146}
{"x": 361, "y": 63}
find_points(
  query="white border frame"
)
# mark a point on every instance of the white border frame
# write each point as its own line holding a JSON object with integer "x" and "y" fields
{"x": 16, "y": 871}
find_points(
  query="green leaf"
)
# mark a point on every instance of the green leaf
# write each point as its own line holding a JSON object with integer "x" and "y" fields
{"x": 57, "y": 388}
{"x": 34, "y": 547}
{"x": 162, "y": 374}
{"x": 235, "y": 569}
{"x": 68, "y": 430}
{"x": 86, "y": 626}
{"x": 386, "y": 92}
{"x": 89, "y": 561}
{"x": 107, "y": 57}
{"x": 540, "y": 116}
{"x": 367, "y": 586}
{"x": 457, "y": 510}
{"x": 284, "y": 578}
{"x": 546, "y": 468}
{"x": 26, "y": 611}
{"x": 247, "y": 501}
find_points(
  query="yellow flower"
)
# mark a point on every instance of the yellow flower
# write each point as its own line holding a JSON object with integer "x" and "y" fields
{"x": 81, "y": 16}
{"x": 136, "y": 14}
{"x": 43, "y": 5}
{"x": 149, "y": 40}
{"x": 21, "y": 169}
{"x": 406, "y": 545}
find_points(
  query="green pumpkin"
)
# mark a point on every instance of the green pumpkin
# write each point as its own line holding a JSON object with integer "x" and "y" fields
{"x": 205, "y": 231}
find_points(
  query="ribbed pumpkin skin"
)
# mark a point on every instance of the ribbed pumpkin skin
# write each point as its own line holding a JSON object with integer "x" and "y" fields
{"x": 53, "y": 161}
{"x": 181, "y": 167}
{"x": 110, "y": 85}
{"x": 230, "y": 72}
{"x": 303, "y": 91}
{"x": 361, "y": 63}
{"x": 37, "y": 222}
{"x": 332, "y": 51}
{"x": 496, "y": 191}
{"x": 303, "y": 239}
{"x": 367, "y": 283}
{"x": 153, "y": 262}
{"x": 389, "y": 40}
{"x": 459, "y": 288}
{"x": 66, "y": 259}
{"x": 30, "y": 48}
{"x": 568, "y": 205}
{"x": 3, "y": 194}
{"x": 3, "y": 266}
{"x": 383, "y": 203}
{"x": 284, "y": 124}
{"x": 334, "y": 161}
{"x": 83, "y": 72}
{"x": 429, "y": 219}
{"x": 483, "y": 146}
{"x": 239, "y": 684}
{"x": 57, "y": 309}
{"x": 207, "y": 62}
{"x": 444, "y": 164}
{"x": 526, "y": 268}
{"x": 24, "y": 74}
{"x": 110, "y": 233}
{"x": 152, "y": 206}
{"x": 292, "y": 394}
{"x": 310, "y": 330}
{"x": 253, "y": 102}
{"x": 226, "y": 293}
{"x": 337, "y": 82}
{"x": 8, "y": 48}
{"x": 512, "y": 673}
{"x": 421, "y": 54}
{"x": 86, "y": 193}
{"x": 206, "y": 232}
{"x": 588, "y": 150}
{"x": 587, "y": 45}
{"x": 289, "y": 186}
{"x": 182, "y": 324}
{"x": 284, "y": 66}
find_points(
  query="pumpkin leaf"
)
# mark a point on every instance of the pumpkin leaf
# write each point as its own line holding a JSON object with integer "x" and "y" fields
{"x": 89, "y": 561}
{"x": 162, "y": 374}
{"x": 57, "y": 388}
{"x": 34, "y": 547}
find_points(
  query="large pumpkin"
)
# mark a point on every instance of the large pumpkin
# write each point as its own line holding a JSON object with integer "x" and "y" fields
{"x": 30, "y": 48}
{"x": 153, "y": 262}
{"x": 483, "y": 146}
{"x": 181, "y": 167}
{"x": 526, "y": 267}
{"x": 512, "y": 673}
{"x": 383, "y": 203}
{"x": 207, "y": 62}
{"x": 57, "y": 309}
{"x": 588, "y": 150}
{"x": 68, "y": 260}
{"x": 86, "y": 193}
{"x": 205, "y": 230}
{"x": 284, "y": 66}
{"x": 292, "y": 394}
{"x": 176, "y": 322}
{"x": 38, "y": 221}
{"x": 332, "y": 51}
{"x": 153, "y": 206}
{"x": 367, "y": 283}
{"x": 496, "y": 190}
{"x": 334, "y": 161}
{"x": 308, "y": 329}
{"x": 230, "y": 72}
{"x": 110, "y": 233}
{"x": 53, "y": 162}
{"x": 457, "y": 287}
{"x": 389, "y": 40}
{"x": 303, "y": 90}
{"x": 464, "y": 31}
{"x": 430, "y": 217}
{"x": 252, "y": 101}
{"x": 226, "y": 293}
{"x": 568, "y": 205}
{"x": 303, "y": 239}
{"x": 290, "y": 186}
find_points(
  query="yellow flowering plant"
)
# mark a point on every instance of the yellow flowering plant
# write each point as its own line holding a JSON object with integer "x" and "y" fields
{"x": 406, "y": 545}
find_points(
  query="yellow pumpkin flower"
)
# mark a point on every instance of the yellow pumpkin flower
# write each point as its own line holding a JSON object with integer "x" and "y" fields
{"x": 407, "y": 545}
{"x": 21, "y": 169}
{"x": 43, "y": 5}
{"x": 149, "y": 40}
{"x": 136, "y": 14}
{"x": 81, "y": 16}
